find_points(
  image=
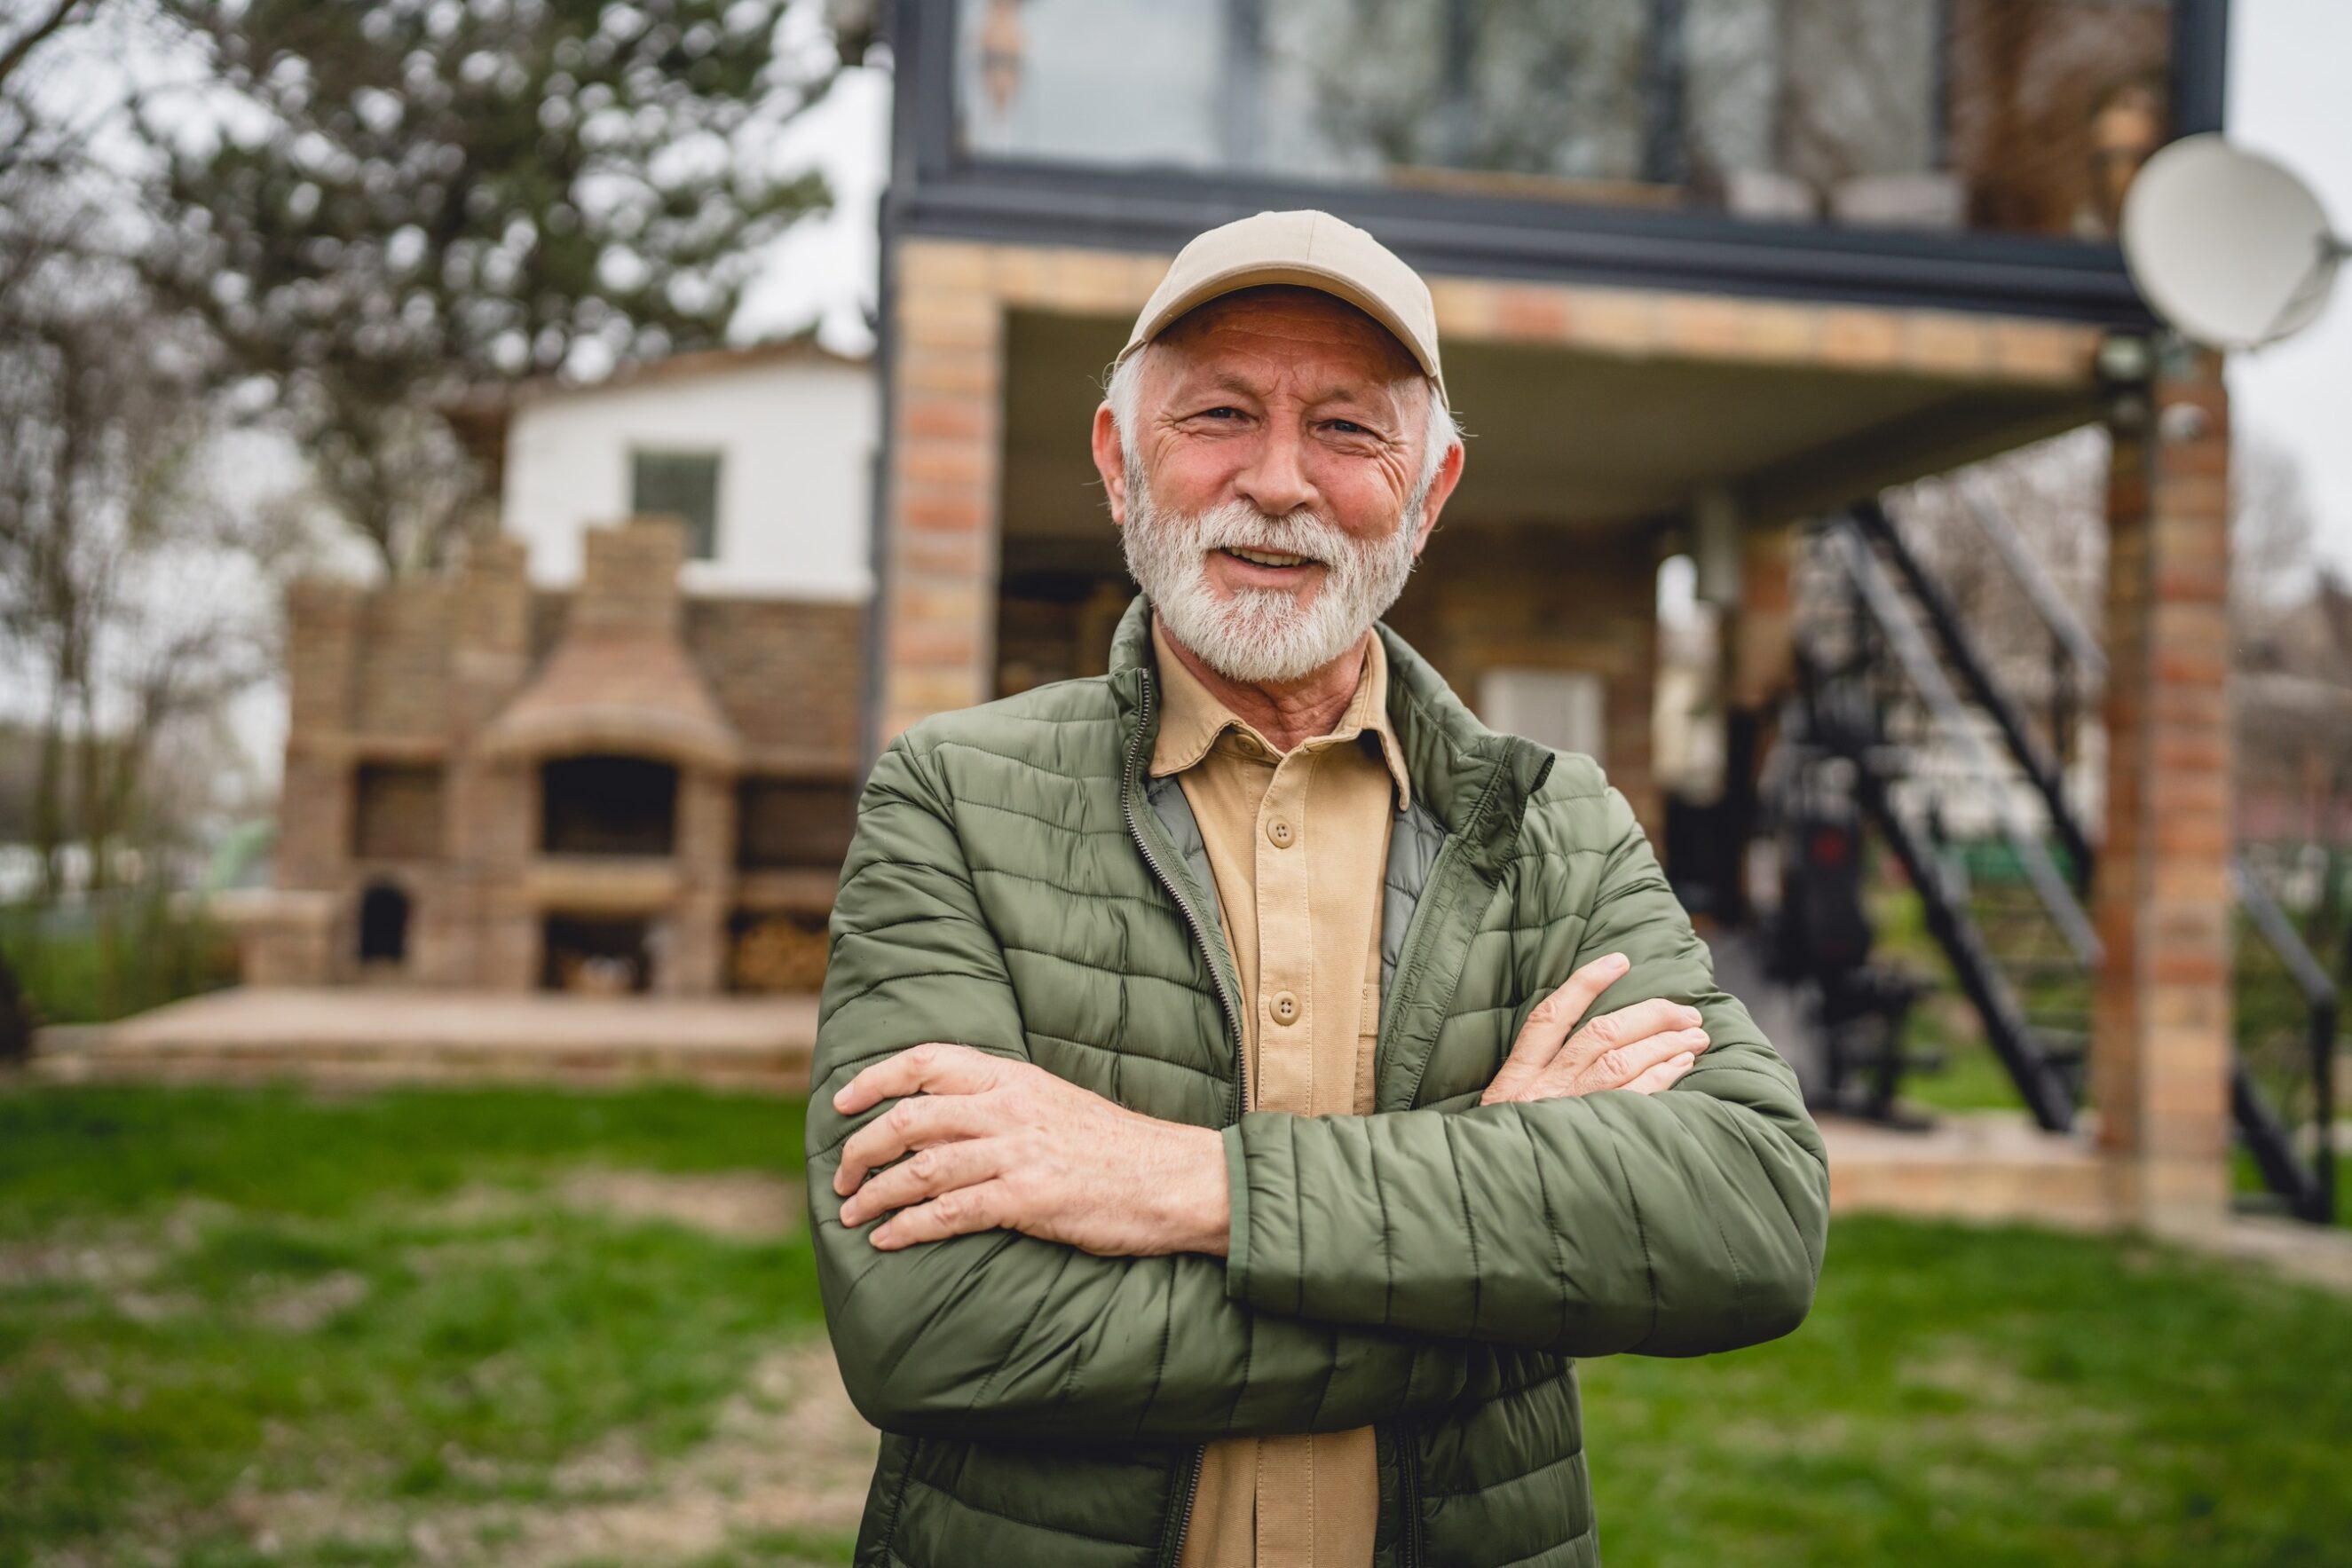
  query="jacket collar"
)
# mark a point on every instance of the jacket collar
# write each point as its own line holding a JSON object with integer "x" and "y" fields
{"x": 1477, "y": 783}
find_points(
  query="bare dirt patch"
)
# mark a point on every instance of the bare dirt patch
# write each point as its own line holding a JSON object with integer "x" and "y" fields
{"x": 739, "y": 1206}
{"x": 744, "y": 1205}
{"x": 113, "y": 1255}
{"x": 309, "y": 1306}
{"x": 789, "y": 1454}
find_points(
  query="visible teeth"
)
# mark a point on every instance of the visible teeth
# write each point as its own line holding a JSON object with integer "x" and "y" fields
{"x": 1267, "y": 556}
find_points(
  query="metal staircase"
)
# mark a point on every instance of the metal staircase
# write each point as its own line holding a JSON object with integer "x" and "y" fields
{"x": 1880, "y": 709}
{"x": 1901, "y": 710}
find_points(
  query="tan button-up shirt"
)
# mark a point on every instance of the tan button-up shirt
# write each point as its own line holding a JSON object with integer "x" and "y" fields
{"x": 1297, "y": 842}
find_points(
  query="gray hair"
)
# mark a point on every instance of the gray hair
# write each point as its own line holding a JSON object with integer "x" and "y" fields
{"x": 1124, "y": 386}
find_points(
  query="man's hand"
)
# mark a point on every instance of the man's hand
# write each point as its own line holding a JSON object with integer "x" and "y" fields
{"x": 1003, "y": 1145}
{"x": 1644, "y": 1047}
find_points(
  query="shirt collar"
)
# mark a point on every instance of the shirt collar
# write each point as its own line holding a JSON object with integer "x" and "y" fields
{"x": 1191, "y": 717}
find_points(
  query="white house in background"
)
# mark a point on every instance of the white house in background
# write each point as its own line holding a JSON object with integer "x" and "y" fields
{"x": 767, "y": 452}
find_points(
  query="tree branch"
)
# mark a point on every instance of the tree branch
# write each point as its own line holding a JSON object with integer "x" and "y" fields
{"x": 16, "y": 54}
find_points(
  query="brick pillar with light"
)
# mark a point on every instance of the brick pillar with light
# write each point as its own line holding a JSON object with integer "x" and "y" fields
{"x": 2161, "y": 1039}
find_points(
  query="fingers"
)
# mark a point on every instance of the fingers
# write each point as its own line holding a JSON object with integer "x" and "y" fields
{"x": 1639, "y": 1021}
{"x": 1663, "y": 1075}
{"x": 966, "y": 1209}
{"x": 1548, "y": 1024}
{"x": 939, "y": 1169}
{"x": 936, "y": 1068}
{"x": 912, "y": 1124}
{"x": 1619, "y": 1065}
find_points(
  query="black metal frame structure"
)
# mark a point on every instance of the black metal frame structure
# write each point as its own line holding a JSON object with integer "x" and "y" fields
{"x": 2306, "y": 1186}
{"x": 1842, "y": 719}
{"x": 938, "y": 190}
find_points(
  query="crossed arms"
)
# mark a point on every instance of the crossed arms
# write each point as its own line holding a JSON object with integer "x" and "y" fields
{"x": 1053, "y": 1272}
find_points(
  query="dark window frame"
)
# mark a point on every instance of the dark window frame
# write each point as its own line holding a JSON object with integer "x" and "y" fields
{"x": 701, "y": 533}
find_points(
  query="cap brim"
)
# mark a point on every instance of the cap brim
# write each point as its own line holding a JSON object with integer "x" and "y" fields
{"x": 1260, "y": 275}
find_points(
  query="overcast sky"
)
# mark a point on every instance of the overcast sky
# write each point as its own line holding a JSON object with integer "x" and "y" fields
{"x": 2287, "y": 98}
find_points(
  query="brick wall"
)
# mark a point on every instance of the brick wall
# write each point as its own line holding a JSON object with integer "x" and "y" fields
{"x": 789, "y": 677}
{"x": 401, "y": 667}
{"x": 628, "y": 580}
{"x": 397, "y": 809}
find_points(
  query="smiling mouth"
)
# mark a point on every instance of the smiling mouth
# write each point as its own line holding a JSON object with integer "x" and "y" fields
{"x": 1268, "y": 557}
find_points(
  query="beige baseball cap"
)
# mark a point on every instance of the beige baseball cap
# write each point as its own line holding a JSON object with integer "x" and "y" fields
{"x": 1306, "y": 248}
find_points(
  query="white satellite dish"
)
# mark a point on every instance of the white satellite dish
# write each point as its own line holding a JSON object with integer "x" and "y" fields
{"x": 2230, "y": 247}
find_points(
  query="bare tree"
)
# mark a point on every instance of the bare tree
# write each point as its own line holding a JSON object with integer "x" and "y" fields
{"x": 111, "y": 525}
{"x": 2272, "y": 565}
{"x": 2055, "y": 494}
{"x": 26, "y": 139}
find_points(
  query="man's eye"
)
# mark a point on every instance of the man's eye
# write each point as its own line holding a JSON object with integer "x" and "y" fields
{"x": 1349, "y": 427}
{"x": 1222, "y": 414}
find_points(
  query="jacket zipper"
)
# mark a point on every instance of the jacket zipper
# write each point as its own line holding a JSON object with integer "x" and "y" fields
{"x": 1409, "y": 973}
{"x": 1425, "y": 919}
{"x": 1226, "y": 1002}
{"x": 1183, "y": 1516}
{"x": 1408, "y": 1443}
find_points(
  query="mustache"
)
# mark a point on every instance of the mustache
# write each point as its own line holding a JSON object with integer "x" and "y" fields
{"x": 1300, "y": 533}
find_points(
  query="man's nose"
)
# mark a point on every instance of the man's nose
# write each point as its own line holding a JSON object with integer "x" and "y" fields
{"x": 1275, "y": 479}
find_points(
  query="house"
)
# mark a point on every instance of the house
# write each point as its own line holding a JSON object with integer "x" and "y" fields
{"x": 1703, "y": 270}
{"x": 1706, "y": 270}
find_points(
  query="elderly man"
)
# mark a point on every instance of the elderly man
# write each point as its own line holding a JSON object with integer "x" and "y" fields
{"x": 1245, "y": 1081}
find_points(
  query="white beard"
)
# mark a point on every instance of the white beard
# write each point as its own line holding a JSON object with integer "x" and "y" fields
{"x": 1261, "y": 634}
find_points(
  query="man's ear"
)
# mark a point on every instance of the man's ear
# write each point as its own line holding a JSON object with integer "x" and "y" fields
{"x": 1110, "y": 462}
{"x": 1449, "y": 474}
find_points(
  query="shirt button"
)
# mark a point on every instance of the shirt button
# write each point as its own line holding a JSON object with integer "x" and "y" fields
{"x": 1279, "y": 832}
{"x": 1284, "y": 1007}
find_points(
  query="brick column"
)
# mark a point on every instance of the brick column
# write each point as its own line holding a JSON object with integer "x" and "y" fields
{"x": 472, "y": 938}
{"x": 696, "y": 963}
{"x": 323, "y": 650}
{"x": 2160, "y": 1044}
{"x": 937, "y": 608}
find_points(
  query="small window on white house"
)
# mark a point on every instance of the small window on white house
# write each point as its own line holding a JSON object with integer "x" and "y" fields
{"x": 1559, "y": 708}
{"x": 679, "y": 485}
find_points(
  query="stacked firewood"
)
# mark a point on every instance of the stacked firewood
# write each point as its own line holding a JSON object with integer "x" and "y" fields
{"x": 779, "y": 953}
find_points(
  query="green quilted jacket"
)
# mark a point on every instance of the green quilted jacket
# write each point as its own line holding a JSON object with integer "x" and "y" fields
{"x": 1019, "y": 885}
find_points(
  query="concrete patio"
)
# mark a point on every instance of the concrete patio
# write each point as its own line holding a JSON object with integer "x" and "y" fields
{"x": 360, "y": 1037}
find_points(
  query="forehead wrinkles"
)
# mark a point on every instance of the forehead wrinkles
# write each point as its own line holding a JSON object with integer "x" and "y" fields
{"x": 1294, "y": 341}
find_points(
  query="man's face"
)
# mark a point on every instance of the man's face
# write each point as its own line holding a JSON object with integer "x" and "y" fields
{"x": 1272, "y": 490}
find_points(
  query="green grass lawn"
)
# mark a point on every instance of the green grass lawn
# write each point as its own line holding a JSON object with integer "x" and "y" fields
{"x": 240, "y": 1327}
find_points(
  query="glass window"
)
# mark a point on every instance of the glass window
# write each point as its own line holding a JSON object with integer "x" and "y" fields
{"x": 2017, "y": 114}
{"x": 679, "y": 485}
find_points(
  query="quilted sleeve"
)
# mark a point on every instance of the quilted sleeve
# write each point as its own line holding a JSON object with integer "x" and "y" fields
{"x": 1001, "y": 1335}
{"x": 1668, "y": 1223}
